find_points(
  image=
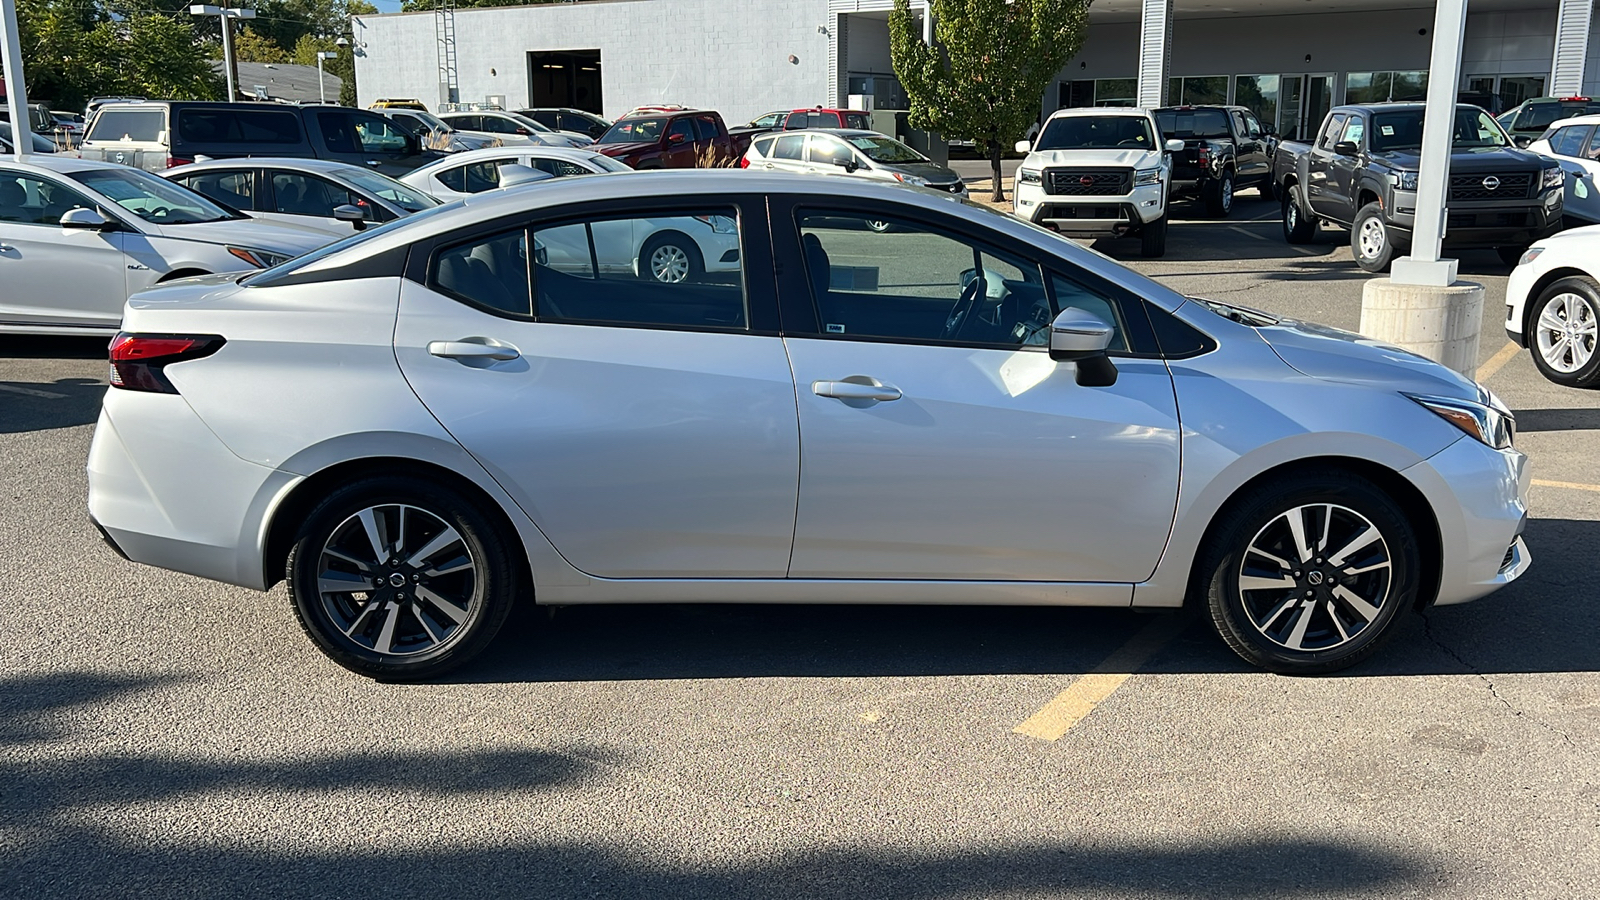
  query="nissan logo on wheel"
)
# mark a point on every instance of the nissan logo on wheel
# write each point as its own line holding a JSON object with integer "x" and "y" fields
{"x": 1491, "y": 183}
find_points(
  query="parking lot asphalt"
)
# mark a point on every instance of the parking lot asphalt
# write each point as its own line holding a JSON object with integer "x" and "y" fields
{"x": 165, "y": 736}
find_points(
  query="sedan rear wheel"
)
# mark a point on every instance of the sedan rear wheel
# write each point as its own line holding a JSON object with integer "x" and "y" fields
{"x": 670, "y": 258}
{"x": 399, "y": 579}
{"x": 1308, "y": 575}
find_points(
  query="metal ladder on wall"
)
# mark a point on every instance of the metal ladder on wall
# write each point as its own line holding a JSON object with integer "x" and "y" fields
{"x": 444, "y": 32}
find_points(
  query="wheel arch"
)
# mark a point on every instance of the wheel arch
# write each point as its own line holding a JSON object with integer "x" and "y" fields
{"x": 1538, "y": 288}
{"x": 1368, "y": 194}
{"x": 285, "y": 519}
{"x": 1412, "y": 502}
{"x": 183, "y": 272}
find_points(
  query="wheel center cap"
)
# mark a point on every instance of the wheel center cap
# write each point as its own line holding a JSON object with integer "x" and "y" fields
{"x": 397, "y": 580}
{"x": 1315, "y": 578}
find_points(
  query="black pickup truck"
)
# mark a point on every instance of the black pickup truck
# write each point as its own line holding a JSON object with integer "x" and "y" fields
{"x": 1225, "y": 149}
{"x": 1361, "y": 174}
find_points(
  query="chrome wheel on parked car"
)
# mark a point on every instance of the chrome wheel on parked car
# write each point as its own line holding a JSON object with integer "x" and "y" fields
{"x": 1566, "y": 332}
{"x": 670, "y": 259}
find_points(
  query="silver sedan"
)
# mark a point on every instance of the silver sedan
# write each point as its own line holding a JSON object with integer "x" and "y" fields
{"x": 961, "y": 409}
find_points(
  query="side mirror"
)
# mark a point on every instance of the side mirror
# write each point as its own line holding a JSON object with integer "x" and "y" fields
{"x": 675, "y": 139}
{"x": 352, "y": 214}
{"x": 1023, "y": 147}
{"x": 1522, "y": 141}
{"x": 1345, "y": 148}
{"x": 1081, "y": 337}
{"x": 1173, "y": 146}
{"x": 85, "y": 218}
{"x": 846, "y": 163}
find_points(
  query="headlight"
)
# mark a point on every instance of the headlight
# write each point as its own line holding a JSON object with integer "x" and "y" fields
{"x": 1529, "y": 255}
{"x": 1555, "y": 177}
{"x": 1028, "y": 176}
{"x": 1405, "y": 181}
{"x": 261, "y": 259}
{"x": 1146, "y": 176}
{"x": 1491, "y": 424}
{"x": 911, "y": 179}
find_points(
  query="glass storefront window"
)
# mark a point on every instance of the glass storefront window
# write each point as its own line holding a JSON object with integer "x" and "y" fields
{"x": 1115, "y": 91}
{"x": 1516, "y": 88}
{"x": 1259, "y": 94}
{"x": 1209, "y": 90}
{"x": 1380, "y": 87}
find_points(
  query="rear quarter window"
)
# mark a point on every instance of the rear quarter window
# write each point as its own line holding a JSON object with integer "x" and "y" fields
{"x": 234, "y": 126}
{"x": 144, "y": 125}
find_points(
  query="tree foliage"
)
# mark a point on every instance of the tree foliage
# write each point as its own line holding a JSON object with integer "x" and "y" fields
{"x": 990, "y": 64}
{"x": 250, "y": 45}
{"x": 74, "y": 50}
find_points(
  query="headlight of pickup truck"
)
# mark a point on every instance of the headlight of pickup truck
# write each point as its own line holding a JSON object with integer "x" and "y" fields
{"x": 1555, "y": 177}
{"x": 1146, "y": 176}
{"x": 1028, "y": 176}
{"x": 1405, "y": 181}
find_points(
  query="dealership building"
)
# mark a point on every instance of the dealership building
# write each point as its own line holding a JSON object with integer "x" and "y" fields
{"x": 1289, "y": 60}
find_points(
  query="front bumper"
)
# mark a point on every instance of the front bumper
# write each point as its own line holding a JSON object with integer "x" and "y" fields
{"x": 1479, "y": 496}
{"x": 1089, "y": 215}
{"x": 1486, "y": 223}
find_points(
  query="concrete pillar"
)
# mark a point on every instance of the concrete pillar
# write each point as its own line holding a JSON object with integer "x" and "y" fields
{"x": 1572, "y": 47}
{"x": 1441, "y": 323}
{"x": 1155, "y": 52}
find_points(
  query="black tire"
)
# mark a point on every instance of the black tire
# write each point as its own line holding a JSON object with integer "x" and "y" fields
{"x": 1511, "y": 255}
{"x": 688, "y": 265}
{"x": 1298, "y": 227}
{"x": 1153, "y": 238}
{"x": 1219, "y": 195}
{"x": 1371, "y": 240}
{"x": 1575, "y": 299}
{"x": 1261, "y": 627}
{"x": 433, "y": 621}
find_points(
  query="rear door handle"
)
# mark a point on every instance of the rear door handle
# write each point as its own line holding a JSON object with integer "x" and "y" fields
{"x": 473, "y": 349}
{"x": 7, "y": 248}
{"x": 855, "y": 390}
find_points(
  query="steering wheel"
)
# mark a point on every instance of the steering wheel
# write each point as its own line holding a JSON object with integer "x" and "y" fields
{"x": 1130, "y": 142}
{"x": 962, "y": 309}
{"x": 158, "y": 212}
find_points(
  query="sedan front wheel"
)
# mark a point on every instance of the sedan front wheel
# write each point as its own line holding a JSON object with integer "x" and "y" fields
{"x": 1308, "y": 575}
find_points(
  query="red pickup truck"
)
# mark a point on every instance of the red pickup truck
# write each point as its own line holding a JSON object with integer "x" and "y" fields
{"x": 679, "y": 139}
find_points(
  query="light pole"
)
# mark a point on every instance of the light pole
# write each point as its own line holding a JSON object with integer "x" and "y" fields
{"x": 16, "y": 91}
{"x": 225, "y": 14}
{"x": 322, "y": 93}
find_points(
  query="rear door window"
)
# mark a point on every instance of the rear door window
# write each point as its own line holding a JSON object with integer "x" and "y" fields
{"x": 338, "y": 132}
{"x": 560, "y": 168}
{"x": 857, "y": 120}
{"x": 705, "y": 128}
{"x": 299, "y": 194}
{"x": 790, "y": 146}
{"x": 200, "y": 125}
{"x": 234, "y": 187}
{"x": 142, "y": 125}
{"x": 1570, "y": 140}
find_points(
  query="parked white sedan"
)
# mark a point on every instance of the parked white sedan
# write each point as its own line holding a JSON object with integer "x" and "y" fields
{"x": 1553, "y": 306}
{"x": 318, "y": 193}
{"x": 512, "y": 129}
{"x": 78, "y": 236}
{"x": 475, "y": 171}
{"x": 965, "y": 409}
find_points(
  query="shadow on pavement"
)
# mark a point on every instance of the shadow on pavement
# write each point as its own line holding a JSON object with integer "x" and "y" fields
{"x": 29, "y": 406}
{"x": 1557, "y": 420}
{"x": 32, "y": 347}
{"x": 67, "y": 820}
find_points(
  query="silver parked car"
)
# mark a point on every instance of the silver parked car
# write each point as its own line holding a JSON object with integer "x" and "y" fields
{"x": 964, "y": 409}
{"x": 78, "y": 236}
{"x": 317, "y": 193}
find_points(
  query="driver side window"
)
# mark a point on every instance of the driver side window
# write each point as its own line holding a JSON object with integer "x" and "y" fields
{"x": 34, "y": 201}
{"x": 900, "y": 281}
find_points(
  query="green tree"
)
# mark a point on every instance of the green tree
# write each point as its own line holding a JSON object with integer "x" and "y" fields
{"x": 985, "y": 75}
{"x": 251, "y": 46}
{"x": 73, "y": 50}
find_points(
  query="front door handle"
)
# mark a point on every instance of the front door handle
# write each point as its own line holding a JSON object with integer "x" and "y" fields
{"x": 855, "y": 388}
{"x": 471, "y": 348}
{"x": 7, "y": 248}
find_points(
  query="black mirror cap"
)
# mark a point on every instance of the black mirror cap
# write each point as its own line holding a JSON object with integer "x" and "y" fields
{"x": 1522, "y": 141}
{"x": 1346, "y": 148}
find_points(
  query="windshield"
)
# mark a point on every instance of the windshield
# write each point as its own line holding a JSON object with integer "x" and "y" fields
{"x": 1402, "y": 130}
{"x": 629, "y": 131}
{"x": 382, "y": 186}
{"x": 1192, "y": 123}
{"x": 885, "y": 150}
{"x": 528, "y": 123}
{"x": 606, "y": 164}
{"x": 1096, "y": 133}
{"x": 150, "y": 198}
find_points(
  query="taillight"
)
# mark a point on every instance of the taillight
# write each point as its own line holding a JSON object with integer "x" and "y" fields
{"x": 137, "y": 360}
{"x": 1204, "y": 154}
{"x": 173, "y": 161}
{"x": 744, "y": 162}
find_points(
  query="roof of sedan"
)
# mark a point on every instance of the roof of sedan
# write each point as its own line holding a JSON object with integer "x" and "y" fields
{"x": 328, "y": 166}
{"x": 61, "y": 162}
{"x": 537, "y": 151}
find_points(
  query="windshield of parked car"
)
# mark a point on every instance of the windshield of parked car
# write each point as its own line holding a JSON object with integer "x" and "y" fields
{"x": 382, "y": 186}
{"x": 1192, "y": 124}
{"x": 1096, "y": 133}
{"x": 1402, "y": 130}
{"x": 628, "y": 131}
{"x": 885, "y": 149}
{"x": 152, "y": 199}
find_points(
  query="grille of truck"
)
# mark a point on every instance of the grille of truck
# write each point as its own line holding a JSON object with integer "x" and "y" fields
{"x": 1088, "y": 182}
{"x": 1507, "y": 185}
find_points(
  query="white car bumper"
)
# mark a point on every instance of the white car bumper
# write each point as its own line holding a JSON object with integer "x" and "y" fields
{"x": 1089, "y": 216}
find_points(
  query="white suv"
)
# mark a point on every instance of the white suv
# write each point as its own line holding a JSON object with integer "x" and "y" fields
{"x": 1096, "y": 173}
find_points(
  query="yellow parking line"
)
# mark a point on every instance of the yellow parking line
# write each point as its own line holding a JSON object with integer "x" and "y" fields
{"x": 1069, "y": 707}
{"x": 1569, "y": 485}
{"x": 1497, "y": 361}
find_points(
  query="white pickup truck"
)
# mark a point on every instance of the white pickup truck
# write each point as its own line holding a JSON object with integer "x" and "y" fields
{"x": 1095, "y": 173}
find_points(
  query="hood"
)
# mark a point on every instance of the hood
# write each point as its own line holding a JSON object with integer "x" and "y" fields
{"x": 932, "y": 172}
{"x": 1331, "y": 354}
{"x": 1133, "y": 158}
{"x": 624, "y": 149}
{"x": 275, "y": 237}
{"x": 1472, "y": 159}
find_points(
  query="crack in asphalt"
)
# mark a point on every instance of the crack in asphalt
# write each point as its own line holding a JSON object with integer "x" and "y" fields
{"x": 1494, "y": 691}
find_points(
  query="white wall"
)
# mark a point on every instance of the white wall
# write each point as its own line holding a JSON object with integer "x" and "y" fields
{"x": 1510, "y": 43}
{"x": 710, "y": 53}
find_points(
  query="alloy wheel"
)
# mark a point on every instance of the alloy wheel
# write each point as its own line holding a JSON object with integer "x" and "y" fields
{"x": 1566, "y": 332}
{"x": 1315, "y": 577}
{"x": 397, "y": 580}
{"x": 1227, "y": 194}
{"x": 669, "y": 264}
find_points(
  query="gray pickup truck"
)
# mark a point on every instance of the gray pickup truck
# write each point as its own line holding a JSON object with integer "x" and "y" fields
{"x": 1361, "y": 174}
